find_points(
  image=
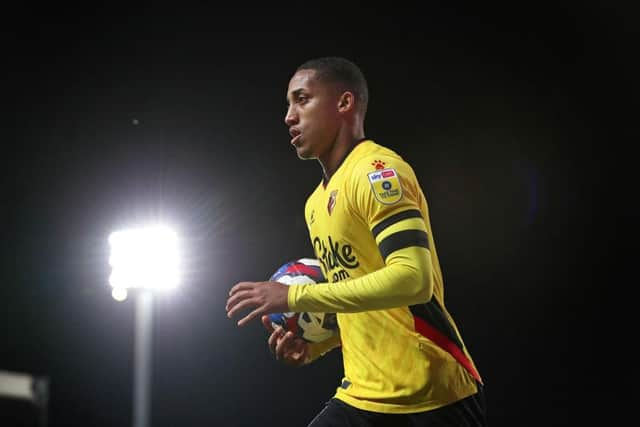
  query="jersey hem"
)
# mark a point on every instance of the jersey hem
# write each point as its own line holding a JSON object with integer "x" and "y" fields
{"x": 389, "y": 408}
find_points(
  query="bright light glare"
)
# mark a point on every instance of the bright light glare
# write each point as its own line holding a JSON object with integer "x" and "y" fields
{"x": 144, "y": 258}
{"x": 119, "y": 294}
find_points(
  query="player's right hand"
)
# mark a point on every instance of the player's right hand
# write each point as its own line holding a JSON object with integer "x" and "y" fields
{"x": 285, "y": 346}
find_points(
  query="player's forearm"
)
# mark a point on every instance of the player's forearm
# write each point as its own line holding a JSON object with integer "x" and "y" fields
{"x": 407, "y": 279}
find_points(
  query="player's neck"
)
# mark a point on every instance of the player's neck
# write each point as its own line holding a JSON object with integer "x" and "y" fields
{"x": 340, "y": 150}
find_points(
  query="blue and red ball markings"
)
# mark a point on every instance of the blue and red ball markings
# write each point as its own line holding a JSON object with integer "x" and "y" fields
{"x": 288, "y": 323}
{"x": 299, "y": 269}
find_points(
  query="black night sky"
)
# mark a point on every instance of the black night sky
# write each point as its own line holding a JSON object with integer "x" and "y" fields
{"x": 115, "y": 117}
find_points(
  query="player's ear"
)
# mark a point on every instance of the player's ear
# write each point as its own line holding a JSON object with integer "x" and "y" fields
{"x": 346, "y": 102}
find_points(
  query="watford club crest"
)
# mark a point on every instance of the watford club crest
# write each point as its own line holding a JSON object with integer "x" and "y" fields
{"x": 332, "y": 201}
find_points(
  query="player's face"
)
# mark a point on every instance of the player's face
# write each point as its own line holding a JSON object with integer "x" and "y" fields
{"x": 312, "y": 116}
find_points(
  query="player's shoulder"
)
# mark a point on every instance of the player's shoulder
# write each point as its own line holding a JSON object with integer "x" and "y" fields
{"x": 374, "y": 157}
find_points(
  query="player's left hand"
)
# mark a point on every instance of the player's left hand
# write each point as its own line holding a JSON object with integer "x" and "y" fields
{"x": 263, "y": 297}
{"x": 285, "y": 346}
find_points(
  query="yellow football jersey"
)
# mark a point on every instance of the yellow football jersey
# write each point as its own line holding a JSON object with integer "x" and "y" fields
{"x": 398, "y": 357}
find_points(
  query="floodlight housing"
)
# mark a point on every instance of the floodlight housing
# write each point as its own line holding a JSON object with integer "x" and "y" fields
{"x": 144, "y": 258}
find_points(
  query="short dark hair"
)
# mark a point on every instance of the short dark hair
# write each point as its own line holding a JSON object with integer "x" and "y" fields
{"x": 342, "y": 71}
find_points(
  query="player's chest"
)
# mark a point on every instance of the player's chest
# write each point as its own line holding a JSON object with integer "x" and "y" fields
{"x": 333, "y": 229}
{"x": 331, "y": 214}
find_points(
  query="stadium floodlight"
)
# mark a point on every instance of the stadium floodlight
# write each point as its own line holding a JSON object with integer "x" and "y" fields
{"x": 145, "y": 259}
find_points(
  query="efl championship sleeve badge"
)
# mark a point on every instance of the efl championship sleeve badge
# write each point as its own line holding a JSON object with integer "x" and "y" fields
{"x": 385, "y": 184}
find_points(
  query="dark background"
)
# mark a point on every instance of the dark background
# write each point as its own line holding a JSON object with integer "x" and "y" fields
{"x": 499, "y": 108}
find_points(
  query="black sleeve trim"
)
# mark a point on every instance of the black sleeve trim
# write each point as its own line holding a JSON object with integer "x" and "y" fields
{"x": 413, "y": 213}
{"x": 403, "y": 239}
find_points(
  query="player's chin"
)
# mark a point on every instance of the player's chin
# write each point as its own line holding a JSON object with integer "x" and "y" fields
{"x": 304, "y": 154}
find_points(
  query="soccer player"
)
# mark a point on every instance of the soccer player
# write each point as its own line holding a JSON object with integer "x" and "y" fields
{"x": 405, "y": 362}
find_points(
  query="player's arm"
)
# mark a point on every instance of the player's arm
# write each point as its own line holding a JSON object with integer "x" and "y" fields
{"x": 406, "y": 279}
{"x": 401, "y": 237}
